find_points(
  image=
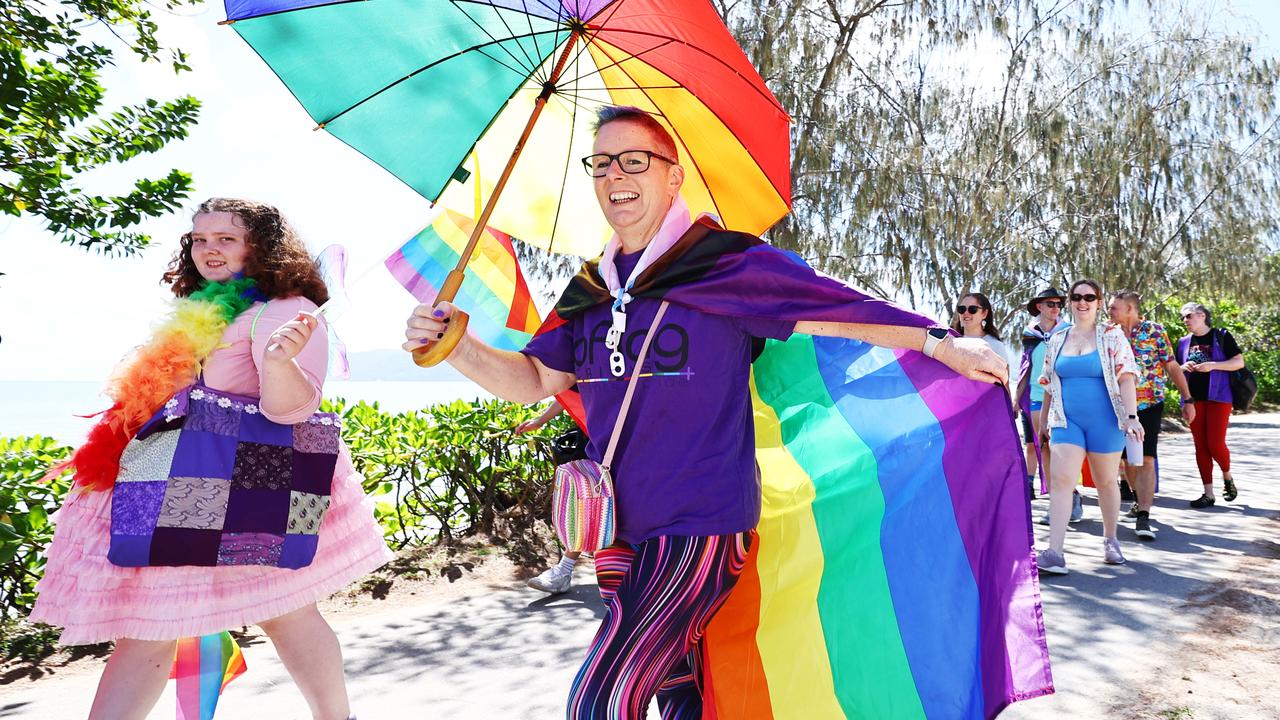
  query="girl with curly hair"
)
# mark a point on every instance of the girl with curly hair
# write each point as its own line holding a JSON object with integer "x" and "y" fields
{"x": 266, "y": 359}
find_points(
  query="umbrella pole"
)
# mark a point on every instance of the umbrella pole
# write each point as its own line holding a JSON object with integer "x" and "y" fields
{"x": 432, "y": 354}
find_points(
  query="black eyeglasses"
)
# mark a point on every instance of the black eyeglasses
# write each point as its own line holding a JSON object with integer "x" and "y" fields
{"x": 632, "y": 162}
{"x": 968, "y": 309}
{"x": 1051, "y": 303}
{"x": 1087, "y": 297}
{"x": 1188, "y": 316}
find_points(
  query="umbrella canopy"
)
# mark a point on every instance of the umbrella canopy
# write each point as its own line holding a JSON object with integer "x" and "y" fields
{"x": 419, "y": 85}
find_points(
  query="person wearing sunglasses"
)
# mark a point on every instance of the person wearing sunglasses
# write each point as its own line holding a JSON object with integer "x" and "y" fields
{"x": 1090, "y": 405}
{"x": 974, "y": 320}
{"x": 1046, "y": 311}
{"x": 1208, "y": 355}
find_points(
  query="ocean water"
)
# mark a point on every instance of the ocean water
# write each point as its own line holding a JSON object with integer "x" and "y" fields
{"x": 51, "y": 407}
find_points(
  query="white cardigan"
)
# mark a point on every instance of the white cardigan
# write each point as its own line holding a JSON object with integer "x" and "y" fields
{"x": 1117, "y": 359}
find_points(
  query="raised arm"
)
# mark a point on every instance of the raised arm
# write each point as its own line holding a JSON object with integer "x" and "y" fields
{"x": 509, "y": 375}
{"x": 970, "y": 357}
{"x": 291, "y": 349}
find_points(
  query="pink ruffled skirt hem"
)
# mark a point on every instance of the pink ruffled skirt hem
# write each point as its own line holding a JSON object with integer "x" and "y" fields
{"x": 94, "y": 601}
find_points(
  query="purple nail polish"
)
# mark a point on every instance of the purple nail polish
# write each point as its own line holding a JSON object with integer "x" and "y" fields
{"x": 438, "y": 313}
{"x": 424, "y": 341}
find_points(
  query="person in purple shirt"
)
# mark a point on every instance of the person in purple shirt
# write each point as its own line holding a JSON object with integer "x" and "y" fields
{"x": 687, "y": 488}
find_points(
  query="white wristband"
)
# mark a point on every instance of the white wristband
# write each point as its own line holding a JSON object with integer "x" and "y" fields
{"x": 931, "y": 342}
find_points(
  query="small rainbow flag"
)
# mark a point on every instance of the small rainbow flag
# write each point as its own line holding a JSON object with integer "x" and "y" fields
{"x": 494, "y": 294}
{"x": 202, "y": 667}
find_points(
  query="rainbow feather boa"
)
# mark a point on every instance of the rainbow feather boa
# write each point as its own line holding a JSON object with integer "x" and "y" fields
{"x": 150, "y": 375}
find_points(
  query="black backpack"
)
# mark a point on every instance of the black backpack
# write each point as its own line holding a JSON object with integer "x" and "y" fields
{"x": 1244, "y": 386}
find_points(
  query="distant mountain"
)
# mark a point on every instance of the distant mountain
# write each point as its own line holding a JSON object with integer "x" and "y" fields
{"x": 397, "y": 365}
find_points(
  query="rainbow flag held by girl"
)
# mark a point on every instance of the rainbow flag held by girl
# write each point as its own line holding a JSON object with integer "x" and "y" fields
{"x": 203, "y": 666}
{"x": 494, "y": 293}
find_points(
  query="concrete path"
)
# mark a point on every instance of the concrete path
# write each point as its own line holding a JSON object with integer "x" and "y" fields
{"x": 513, "y": 653}
{"x": 1112, "y": 629}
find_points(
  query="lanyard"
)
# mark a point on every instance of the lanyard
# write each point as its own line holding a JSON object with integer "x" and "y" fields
{"x": 613, "y": 340}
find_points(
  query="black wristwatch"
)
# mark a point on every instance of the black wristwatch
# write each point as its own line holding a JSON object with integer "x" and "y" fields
{"x": 933, "y": 338}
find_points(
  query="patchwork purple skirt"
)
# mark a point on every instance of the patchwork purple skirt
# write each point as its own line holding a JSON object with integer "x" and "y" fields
{"x": 210, "y": 480}
{"x": 95, "y": 601}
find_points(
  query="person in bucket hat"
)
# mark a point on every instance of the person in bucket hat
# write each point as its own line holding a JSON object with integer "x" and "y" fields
{"x": 1049, "y": 293}
{"x": 1046, "y": 309}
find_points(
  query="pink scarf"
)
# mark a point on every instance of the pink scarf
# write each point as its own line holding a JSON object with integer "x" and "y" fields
{"x": 673, "y": 227}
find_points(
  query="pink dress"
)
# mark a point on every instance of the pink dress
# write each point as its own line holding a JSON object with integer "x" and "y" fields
{"x": 94, "y": 601}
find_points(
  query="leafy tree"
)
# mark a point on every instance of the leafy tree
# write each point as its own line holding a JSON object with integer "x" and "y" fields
{"x": 53, "y": 127}
{"x": 1172, "y": 178}
{"x": 1002, "y": 144}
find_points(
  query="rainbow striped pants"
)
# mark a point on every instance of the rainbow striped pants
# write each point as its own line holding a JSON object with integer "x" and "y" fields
{"x": 659, "y": 596}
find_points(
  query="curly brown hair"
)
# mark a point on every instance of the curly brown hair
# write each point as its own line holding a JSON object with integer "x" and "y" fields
{"x": 277, "y": 259}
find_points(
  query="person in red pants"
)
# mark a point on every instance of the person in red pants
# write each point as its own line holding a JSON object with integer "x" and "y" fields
{"x": 1207, "y": 355}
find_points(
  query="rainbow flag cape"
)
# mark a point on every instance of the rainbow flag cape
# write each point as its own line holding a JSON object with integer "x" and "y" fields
{"x": 202, "y": 667}
{"x": 495, "y": 294}
{"x": 894, "y": 575}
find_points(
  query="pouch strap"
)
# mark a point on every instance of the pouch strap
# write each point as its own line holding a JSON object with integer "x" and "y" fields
{"x": 631, "y": 387}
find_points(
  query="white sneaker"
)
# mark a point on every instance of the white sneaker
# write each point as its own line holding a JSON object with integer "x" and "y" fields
{"x": 1051, "y": 561}
{"x": 553, "y": 580}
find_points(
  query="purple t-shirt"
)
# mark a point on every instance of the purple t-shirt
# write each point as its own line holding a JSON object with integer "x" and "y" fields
{"x": 685, "y": 463}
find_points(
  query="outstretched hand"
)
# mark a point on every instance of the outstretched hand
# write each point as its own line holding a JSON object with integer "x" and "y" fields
{"x": 974, "y": 359}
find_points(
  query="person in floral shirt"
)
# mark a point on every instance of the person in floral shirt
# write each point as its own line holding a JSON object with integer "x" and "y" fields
{"x": 1156, "y": 364}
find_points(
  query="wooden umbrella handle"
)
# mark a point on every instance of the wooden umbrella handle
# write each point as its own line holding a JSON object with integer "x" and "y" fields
{"x": 432, "y": 354}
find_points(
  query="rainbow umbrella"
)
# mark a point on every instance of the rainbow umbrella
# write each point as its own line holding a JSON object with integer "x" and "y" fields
{"x": 430, "y": 88}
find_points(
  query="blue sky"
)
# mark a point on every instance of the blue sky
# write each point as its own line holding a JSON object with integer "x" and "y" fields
{"x": 68, "y": 315}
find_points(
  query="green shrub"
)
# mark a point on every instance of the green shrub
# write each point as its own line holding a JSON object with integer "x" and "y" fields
{"x": 26, "y": 503}
{"x": 452, "y": 469}
{"x": 437, "y": 474}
